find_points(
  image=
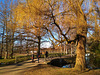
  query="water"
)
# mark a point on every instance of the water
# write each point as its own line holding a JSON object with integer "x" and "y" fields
{"x": 68, "y": 66}
{"x": 92, "y": 62}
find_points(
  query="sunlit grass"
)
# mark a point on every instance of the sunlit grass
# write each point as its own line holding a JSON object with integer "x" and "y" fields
{"x": 51, "y": 70}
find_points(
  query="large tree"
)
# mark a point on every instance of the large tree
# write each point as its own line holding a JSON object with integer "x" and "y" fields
{"x": 33, "y": 22}
{"x": 73, "y": 15}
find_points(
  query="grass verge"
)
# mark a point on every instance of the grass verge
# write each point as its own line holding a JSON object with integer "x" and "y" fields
{"x": 4, "y": 62}
{"x": 51, "y": 70}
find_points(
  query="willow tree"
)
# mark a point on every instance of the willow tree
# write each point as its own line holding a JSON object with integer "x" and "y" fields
{"x": 73, "y": 15}
{"x": 28, "y": 16}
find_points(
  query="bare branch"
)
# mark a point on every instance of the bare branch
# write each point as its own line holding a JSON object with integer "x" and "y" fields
{"x": 81, "y": 2}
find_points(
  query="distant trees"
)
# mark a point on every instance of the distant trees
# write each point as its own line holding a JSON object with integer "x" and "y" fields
{"x": 94, "y": 39}
{"x": 94, "y": 46}
{"x": 9, "y": 26}
{"x": 4, "y": 14}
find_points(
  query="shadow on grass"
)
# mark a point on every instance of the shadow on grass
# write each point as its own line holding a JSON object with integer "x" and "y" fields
{"x": 17, "y": 64}
{"x": 14, "y": 70}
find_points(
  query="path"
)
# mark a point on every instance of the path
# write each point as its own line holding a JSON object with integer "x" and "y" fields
{"x": 19, "y": 68}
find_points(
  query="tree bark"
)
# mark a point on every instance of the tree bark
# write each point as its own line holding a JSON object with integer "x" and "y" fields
{"x": 80, "y": 58}
{"x": 21, "y": 43}
{"x": 71, "y": 51}
{"x": 12, "y": 45}
{"x": 39, "y": 38}
{"x": 38, "y": 53}
{"x": 12, "y": 50}
{"x": 6, "y": 53}
{"x": 1, "y": 48}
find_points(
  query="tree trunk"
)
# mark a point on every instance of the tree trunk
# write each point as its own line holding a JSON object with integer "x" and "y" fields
{"x": 71, "y": 51}
{"x": 27, "y": 50}
{"x": 80, "y": 58}
{"x": 38, "y": 53}
{"x": 12, "y": 46}
{"x": 1, "y": 48}
{"x": 12, "y": 52}
{"x": 66, "y": 51}
{"x": 12, "y": 49}
{"x": 6, "y": 52}
{"x": 39, "y": 38}
{"x": 21, "y": 43}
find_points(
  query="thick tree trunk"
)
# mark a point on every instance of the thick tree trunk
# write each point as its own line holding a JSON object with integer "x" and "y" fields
{"x": 80, "y": 58}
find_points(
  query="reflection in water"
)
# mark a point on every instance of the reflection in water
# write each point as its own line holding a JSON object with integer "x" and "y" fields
{"x": 68, "y": 66}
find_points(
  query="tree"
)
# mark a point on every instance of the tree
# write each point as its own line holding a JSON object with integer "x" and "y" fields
{"x": 9, "y": 26}
{"x": 32, "y": 21}
{"x": 4, "y": 19}
{"x": 94, "y": 39}
{"x": 12, "y": 25}
{"x": 74, "y": 14}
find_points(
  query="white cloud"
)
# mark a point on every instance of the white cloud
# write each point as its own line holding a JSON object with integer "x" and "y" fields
{"x": 46, "y": 45}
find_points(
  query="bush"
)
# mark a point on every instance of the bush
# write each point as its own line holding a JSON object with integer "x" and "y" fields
{"x": 94, "y": 46}
{"x": 56, "y": 54}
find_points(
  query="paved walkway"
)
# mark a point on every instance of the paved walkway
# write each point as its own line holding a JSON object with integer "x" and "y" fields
{"x": 19, "y": 68}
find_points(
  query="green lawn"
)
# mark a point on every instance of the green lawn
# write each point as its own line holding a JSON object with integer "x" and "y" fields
{"x": 17, "y": 59}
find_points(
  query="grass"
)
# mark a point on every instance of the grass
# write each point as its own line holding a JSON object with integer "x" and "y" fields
{"x": 51, "y": 70}
{"x": 56, "y": 54}
{"x": 4, "y": 62}
{"x": 23, "y": 58}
